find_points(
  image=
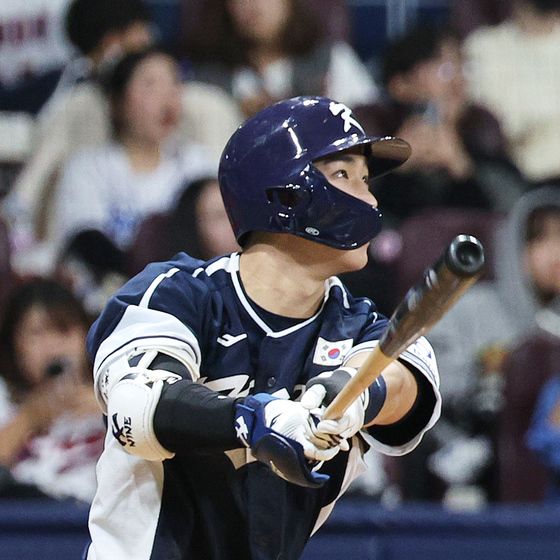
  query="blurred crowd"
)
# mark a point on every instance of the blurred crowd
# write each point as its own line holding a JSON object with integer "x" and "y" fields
{"x": 110, "y": 138}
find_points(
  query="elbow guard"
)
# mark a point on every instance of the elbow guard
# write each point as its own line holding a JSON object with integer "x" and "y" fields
{"x": 131, "y": 407}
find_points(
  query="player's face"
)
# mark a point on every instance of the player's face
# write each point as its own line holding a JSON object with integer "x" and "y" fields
{"x": 348, "y": 171}
{"x": 152, "y": 103}
{"x": 38, "y": 342}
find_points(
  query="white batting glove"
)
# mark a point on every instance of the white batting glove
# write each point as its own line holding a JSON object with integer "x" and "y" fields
{"x": 321, "y": 390}
{"x": 293, "y": 420}
{"x": 281, "y": 434}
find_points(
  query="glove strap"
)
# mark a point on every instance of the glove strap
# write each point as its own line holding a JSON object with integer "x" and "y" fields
{"x": 249, "y": 419}
{"x": 283, "y": 455}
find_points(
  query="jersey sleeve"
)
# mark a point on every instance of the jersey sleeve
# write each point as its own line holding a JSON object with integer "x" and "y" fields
{"x": 161, "y": 309}
{"x": 403, "y": 436}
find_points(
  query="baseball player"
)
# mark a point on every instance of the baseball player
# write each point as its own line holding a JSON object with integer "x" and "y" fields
{"x": 212, "y": 452}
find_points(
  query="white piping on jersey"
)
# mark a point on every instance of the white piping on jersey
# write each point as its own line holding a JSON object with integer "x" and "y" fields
{"x": 233, "y": 265}
{"x": 289, "y": 330}
{"x": 145, "y": 301}
{"x": 233, "y": 269}
{"x": 225, "y": 263}
{"x": 220, "y": 264}
{"x": 247, "y": 306}
{"x": 335, "y": 281}
{"x": 230, "y": 264}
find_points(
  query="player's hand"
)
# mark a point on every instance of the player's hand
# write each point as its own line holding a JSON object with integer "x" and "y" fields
{"x": 320, "y": 392}
{"x": 281, "y": 433}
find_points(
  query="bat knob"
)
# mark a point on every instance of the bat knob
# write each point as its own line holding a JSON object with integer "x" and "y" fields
{"x": 465, "y": 256}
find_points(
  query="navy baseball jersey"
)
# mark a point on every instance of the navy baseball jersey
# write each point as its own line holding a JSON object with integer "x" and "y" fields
{"x": 223, "y": 505}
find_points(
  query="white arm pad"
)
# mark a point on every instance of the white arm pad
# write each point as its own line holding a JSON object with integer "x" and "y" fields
{"x": 131, "y": 407}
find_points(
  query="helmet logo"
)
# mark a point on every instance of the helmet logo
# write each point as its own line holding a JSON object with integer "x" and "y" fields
{"x": 312, "y": 231}
{"x": 345, "y": 114}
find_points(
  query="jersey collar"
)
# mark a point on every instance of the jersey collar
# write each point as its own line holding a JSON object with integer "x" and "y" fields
{"x": 233, "y": 269}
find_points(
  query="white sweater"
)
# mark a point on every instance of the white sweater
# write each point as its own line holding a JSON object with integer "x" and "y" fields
{"x": 100, "y": 190}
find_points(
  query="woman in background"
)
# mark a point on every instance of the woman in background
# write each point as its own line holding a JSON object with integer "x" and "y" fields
{"x": 113, "y": 187}
{"x": 262, "y": 51}
{"x": 52, "y": 433}
{"x": 197, "y": 225}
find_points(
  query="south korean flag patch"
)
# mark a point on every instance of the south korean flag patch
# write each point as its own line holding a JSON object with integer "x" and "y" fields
{"x": 329, "y": 353}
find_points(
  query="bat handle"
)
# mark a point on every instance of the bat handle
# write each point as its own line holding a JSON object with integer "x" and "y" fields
{"x": 376, "y": 362}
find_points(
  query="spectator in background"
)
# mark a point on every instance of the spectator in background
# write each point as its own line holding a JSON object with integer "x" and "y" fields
{"x": 473, "y": 339}
{"x": 111, "y": 188}
{"x": 81, "y": 118}
{"x": 262, "y": 51}
{"x": 33, "y": 51}
{"x": 458, "y": 157}
{"x": 333, "y": 16}
{"x": 76, "y": 113}
{"x": 514, "y": 70}
{"x": 543, "y": 436}
{"x": 467, "y": 15}
{"x": 197, "y": 224}
{"x": 52, "y": 433}
{"x": 100, "y": 36}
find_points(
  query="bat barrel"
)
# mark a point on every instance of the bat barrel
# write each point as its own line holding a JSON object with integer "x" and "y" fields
{"x": 465, "y": 256}
{"x": 423, "y": 305}
{"x": 442, "y": 284}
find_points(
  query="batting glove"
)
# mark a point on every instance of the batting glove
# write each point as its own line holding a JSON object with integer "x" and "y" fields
{"x": 281, "y": 434}
{"x": 321, "y": 391}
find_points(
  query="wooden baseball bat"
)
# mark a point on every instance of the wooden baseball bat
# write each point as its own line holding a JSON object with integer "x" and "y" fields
{"x": 423, "y": 305}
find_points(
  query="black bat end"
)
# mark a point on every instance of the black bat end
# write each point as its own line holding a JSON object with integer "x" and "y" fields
{"x": 465, "y": 256}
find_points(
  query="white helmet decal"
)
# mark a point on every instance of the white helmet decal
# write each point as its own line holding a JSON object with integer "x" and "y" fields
{"x": 345, "y": 114}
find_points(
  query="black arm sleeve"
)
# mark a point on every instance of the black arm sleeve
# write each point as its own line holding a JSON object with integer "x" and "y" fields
{"x": 414, "y": 420}
{"x": 190, "y": 417}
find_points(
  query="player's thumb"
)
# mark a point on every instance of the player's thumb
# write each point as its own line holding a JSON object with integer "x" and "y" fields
{"x": 313, "y": 397}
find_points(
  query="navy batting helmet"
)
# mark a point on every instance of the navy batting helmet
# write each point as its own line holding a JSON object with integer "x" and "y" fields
{"x": 269, "y": 183}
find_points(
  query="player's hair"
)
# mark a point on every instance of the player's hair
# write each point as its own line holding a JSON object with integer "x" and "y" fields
{"x": 114, "y": 81}
{"x": 88, "y": 21}
{"x": 65, "y": 311}
{"x": 215, "y": 38}
{"x": 420, "y": 44}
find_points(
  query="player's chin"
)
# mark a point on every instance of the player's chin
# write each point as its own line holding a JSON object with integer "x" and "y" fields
{"x": 354, "y": 259}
